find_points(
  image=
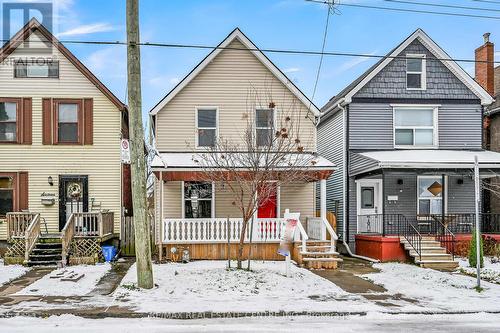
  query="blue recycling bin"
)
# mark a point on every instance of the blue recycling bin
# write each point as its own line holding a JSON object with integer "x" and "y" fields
{"x": 109, "y": 252}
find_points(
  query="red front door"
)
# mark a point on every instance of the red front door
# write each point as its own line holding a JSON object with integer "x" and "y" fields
{"x": 268, "y": 206}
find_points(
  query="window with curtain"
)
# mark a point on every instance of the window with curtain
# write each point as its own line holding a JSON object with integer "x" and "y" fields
{"x": 6, "y": 195}
{"x": 415, "y": 127}
{"x": 197, "y": 200}
{"x": 430, "y": 195}
{"x": 264, "y": 126}
{"x": 8, "y": 121}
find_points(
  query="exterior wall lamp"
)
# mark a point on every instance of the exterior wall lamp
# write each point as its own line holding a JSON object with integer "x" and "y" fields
{"x": 50, "y": 181}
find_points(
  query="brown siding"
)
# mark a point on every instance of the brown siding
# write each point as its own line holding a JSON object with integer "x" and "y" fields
{"x": 47, "y": 121}
{"x": 88, "y": 116}
{"x": 27, "y": 121}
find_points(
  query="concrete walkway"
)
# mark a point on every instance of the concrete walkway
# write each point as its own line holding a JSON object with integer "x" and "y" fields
{"x": 347, "y": 279}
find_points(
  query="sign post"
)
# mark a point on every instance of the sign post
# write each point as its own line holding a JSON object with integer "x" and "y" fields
{"x": 287, "y": 236}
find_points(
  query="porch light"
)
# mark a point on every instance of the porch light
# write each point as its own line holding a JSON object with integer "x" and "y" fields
{"x": 460, "y": 181}
{"x": 50, "y": 181}
{"x": 400, "y": 181}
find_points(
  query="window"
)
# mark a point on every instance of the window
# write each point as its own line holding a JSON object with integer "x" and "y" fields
{"x": 415, "y": 72}
{"x": 430, "y": 195}
{"x": 264, "y": 125}
{"x": 68, "y": 122}
{"x": 6, "y": 195}
{"x": 415, "y": 127}
{"x": 367, "y": 197}
{"x": 37, "y": 69}
{"x": 8, "y": 121}
{"x": 198, "y": 200}
{"x": 206, "y": 123}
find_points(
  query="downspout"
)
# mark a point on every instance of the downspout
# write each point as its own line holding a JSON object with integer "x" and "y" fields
{"x": 344, "y": 190}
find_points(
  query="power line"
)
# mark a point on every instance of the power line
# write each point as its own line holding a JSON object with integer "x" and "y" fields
{"x": 279, "y": 51}
{"x": 488, "y": 1}
{"x": 410, "y": 10}
{"x": 443, "y": 5}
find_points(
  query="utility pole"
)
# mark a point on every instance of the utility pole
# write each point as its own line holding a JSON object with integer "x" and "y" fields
{"x": 478, "y": 225}
{"x": 138, "y": 160}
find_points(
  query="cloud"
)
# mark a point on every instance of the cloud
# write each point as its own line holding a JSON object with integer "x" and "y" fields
{"x": 88, "y": 29}
{"x": 162, "y": 80}
{"x": 292, "y": 70}
{"x": 109, "y": 62}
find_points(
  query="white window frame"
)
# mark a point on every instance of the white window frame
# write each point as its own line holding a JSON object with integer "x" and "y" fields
{"x": 183, "y": 200}
{"x": 257, "y": 128}
{"x": 203, "y": 108}
{"x": 435, "y": 127}
{"x": 423, "y": 72}
{"x": 444, "y": 197}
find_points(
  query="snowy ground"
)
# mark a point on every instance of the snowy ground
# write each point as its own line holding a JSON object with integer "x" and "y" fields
{"x": 209, "y": 286}
{"x": 437, "y": 291}
{"x": 49, "y": 286}
{"x": 372, "y": 323}
{"x": 10, "y": 272}
{"x": 490, "y": 271}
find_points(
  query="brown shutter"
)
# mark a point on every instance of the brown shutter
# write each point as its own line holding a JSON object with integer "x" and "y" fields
{"x": 27, "y": 123}
{"x": 23, "y": 190}
{"x": 47, "y": 121}
{"x": 88, "y": 121}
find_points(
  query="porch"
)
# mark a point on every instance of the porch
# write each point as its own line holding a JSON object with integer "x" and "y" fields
{"x": 30, "y": 242}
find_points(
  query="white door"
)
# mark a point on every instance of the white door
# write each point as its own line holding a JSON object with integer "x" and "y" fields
{"x": 370, "y": 205}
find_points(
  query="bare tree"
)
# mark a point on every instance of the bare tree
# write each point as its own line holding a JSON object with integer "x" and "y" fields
{"x": 268, "y": 152}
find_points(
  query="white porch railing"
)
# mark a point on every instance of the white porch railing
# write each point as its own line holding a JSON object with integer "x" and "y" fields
{"x": 217, "y": 230}
{"x": 318, "y": 227}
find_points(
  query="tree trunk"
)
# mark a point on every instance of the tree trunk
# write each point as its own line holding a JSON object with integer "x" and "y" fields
{"x": 138, "y": 161}
{"x": 242, "y": 243}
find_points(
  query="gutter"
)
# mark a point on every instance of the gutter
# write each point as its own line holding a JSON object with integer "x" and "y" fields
{"x": 346, "y": 197}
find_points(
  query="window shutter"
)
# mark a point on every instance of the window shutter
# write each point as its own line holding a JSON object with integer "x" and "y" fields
{"x": 27, "y": 121}
{"x": 88, "y": 120}
{"x": 23, "y": 184}
{"x": 47, "y": 121}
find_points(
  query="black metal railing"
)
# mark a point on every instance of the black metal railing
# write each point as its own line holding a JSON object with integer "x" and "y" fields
{"x": 411, "y": 234}
{"x": 443, "y": 234}
{"x": 490, "y": 223}
{"x": 380, "y": 224}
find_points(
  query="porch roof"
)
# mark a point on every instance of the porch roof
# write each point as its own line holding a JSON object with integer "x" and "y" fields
{"x": 427, "y": 159}
{"x": 184, "y": 163}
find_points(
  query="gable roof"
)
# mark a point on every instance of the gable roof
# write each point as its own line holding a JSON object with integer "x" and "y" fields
{"x": 34, "y": 25}
{"x": 348, "y": 92}
{"x": 237, "y": 34}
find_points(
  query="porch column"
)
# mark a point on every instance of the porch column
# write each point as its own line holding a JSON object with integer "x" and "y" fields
{"x": 322, "y": 198}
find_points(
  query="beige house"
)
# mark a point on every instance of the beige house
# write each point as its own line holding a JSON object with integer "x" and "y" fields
{"x": 60, "y": 135}
{"x": 212, "y": 102}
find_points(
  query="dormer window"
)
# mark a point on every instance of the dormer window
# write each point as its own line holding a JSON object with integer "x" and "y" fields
{"x": 415, "y": 72}
{"x": 44, "y": 68}
{"x": 264, "y": 125}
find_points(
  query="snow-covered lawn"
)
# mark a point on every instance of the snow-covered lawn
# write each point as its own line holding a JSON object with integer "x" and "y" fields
{"x": 490, "y": 271}
{"x": 373, "y": 322}
{"x": 10, "y": 272}
{"x": 209, "y": 286}
{"x": 49, "y": 286}
{"x": 437, "y": 290}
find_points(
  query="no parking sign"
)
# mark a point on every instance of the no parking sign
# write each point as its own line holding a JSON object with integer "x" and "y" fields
{"x": 125, "y": 151}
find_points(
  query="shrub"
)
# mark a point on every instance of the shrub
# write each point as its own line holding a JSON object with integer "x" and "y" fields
{"x": 472, "y": 250}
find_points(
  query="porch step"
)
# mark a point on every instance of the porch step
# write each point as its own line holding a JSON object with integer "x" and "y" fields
{"x": 433, "y": 255}
{"x": 441, "y": 265}
{"x": 316, "y": 248}
{"x": 320, "y": 254}
{"x": 321, "y": 263}
{"x": 46, "y": 253}
{"x": 428, "y": 250}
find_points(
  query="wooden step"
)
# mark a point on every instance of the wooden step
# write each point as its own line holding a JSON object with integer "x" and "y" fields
{"x": 321, "y": 263}
{"x": 308, "y": 254}
{"x": 317, "y": 248}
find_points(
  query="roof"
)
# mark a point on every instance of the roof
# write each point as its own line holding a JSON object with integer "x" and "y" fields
{"x": 348, "y": 92}
{"x": 431, "y": 159}
{"x": 191, "y": 160}
{"x": 34, "y": 25}
{"x": 237, "y": 34}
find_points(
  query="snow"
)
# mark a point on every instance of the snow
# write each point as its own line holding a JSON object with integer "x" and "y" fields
{"x": 48, "y": 286}
{"x": 490, "y": 271}
{"x": 434, "y": 290}
{"x": 373, "y": 322}
{"x": 10, "y": 272}
{"x": 209, "y": 286}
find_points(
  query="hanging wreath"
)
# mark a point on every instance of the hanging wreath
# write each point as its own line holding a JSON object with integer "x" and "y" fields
{"x": 74, "y": 190}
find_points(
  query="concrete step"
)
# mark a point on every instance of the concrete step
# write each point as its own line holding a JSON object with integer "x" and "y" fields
{"x": 440, "y": 265}
{"x": 423, "y": 243}
{"x": 432, "y": 256}
{"x": 433, "y": 250}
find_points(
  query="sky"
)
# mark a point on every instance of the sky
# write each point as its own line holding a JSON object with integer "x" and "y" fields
{"x": 270, "y": 24}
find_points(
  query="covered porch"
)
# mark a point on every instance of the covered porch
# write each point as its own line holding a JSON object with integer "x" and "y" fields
{"x": 195, "y": 214}
{"x": 419, "y": 196}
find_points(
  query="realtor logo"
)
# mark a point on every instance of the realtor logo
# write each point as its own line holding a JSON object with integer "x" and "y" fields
{"x": 16, "y": 14}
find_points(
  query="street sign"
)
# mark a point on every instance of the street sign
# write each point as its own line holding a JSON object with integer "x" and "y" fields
{"x": 125, "y": 148}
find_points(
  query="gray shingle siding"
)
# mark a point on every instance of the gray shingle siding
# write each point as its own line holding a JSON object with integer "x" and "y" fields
{"x": 390, "y": 82}
{"x": 371, "y": 126}
{"x": 359, "y": 164}
{"x": 333, "y": 132}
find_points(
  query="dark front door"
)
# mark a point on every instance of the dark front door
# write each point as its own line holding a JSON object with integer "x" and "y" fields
{"x": 73, "y": 197}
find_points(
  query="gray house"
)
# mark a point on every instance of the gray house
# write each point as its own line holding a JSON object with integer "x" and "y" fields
{"x": 404, "y": 136}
